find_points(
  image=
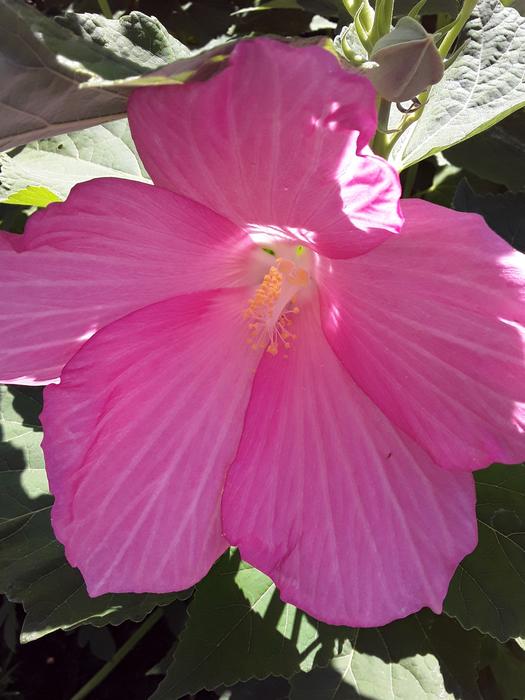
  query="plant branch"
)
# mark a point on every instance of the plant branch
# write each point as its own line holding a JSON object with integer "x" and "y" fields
{"x": 453, "y": 32}
{"x": 124, "y": 650}
{"x": 105, "y": 8}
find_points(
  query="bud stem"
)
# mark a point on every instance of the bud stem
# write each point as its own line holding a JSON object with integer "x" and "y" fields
{"x": 353, "y": 7}
{"x": 382, "y": 19}
{"x": 453, "y": 32}
{"x": 381, "y": 146}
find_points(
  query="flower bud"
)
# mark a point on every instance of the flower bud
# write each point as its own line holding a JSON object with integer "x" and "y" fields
{"x": 404, "y": 62}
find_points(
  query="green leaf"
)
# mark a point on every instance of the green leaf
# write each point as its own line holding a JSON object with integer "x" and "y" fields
{"x": 507, "y": 139}
{"x": 45, "y": 65}
{"x": 238, "y": 629}
{"x": 33, "y": 569}
{"x": 267, "y": 689}
{"x": 483, "y": 85}
{"x": 270, "y": 5}
{"x": 504, "y": 213}
{"x": 59, "y": 163}
{"x": 443, "y": 187}
{"x": 32, "y": 196}
{"x": 424, "y": 657}
{"x": 488, "y": 590}
{"x": 134, "y": 37}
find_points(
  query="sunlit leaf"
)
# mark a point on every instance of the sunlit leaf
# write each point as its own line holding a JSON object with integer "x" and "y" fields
{"x": 483, "y": 85}
{"x": 32, "y": 196}
{"x": 423, "y": 657}
{"x": 60, "y": 162}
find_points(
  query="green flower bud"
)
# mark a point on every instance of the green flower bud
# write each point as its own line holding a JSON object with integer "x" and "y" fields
{"x": 404, "y": 62}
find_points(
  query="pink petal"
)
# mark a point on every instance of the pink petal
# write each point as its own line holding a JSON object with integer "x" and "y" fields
{"x": 112, "y": 247}
{"x": 275, "y": 139}
{"x": 430, "y": 327}
{"x": 138, "y": 436}
{"x": 348, "y": 516}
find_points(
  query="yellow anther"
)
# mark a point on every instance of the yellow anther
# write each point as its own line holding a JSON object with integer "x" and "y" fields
{"x": 273, "y": 303}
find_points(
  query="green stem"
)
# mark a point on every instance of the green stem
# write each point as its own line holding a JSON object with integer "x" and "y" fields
{"x": 381, "y": 141}
{"x": 453, "y": 32}
{"x": 363, "y": 7}
{"x": 124, "y": 650}
{"x": 410, "y": 180}
{"x": 407, "y": 121}
{"x": 382, "y": 19}
{"x": 105, "y": 9}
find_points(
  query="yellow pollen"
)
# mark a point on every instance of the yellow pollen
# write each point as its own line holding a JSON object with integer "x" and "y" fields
{"x": 271, "y": 310}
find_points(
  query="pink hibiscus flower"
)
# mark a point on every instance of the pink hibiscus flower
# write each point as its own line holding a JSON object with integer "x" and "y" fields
{"x": 250, "y": 354}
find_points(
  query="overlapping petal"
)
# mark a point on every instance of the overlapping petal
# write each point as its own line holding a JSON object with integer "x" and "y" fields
{"x": 348, "y": 515}
{"x": 114, "y": 246}
{"x": 277, "y": 138}
{"x": 430, "y": 326}
{"x": 138, "y": 436}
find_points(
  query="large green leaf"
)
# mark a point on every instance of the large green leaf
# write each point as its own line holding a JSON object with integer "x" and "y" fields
{"x": 237, "y": 629}
{"x": 488, "y": 590}
{"x": 424, "y": 657}
{"x": 33, "y": 569}
{"x": 58, "y": 163}
{"x": 483, "y": 85}
{"x": 44, "y": 65}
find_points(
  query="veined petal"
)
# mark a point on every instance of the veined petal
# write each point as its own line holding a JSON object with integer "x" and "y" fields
{"x": 430, "y": 326}
{"x": 276, "y": 139}
{"x": 138, "y": 437}
{"x": 347, "y": 515}
{"x": 114, "y": 246}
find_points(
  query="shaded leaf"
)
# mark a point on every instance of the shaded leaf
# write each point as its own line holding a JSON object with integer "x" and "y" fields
{"x": 134, "y": 37}
{"x": 238, "y": 629}
{"x": 44, "y": 67}
{"x": 507, "y": 666}
{"x": 488, "y": 589}
{"x": 504, "y": 213}
{"x": 59, "y": 163}
{"x": 13, "y": 217}
{"x": 269, "y": 688}
{"x": 33, "y": 569}
{"x": 99, "y": 640}
{"x": 9, "y": 624}
{"x": 444, "y": 185}
{"x": 507, "y": 140}
{"x": 483, "y": 85}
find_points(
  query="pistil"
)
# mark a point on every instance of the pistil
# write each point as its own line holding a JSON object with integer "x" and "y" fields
{"x": 271, "y": 310}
